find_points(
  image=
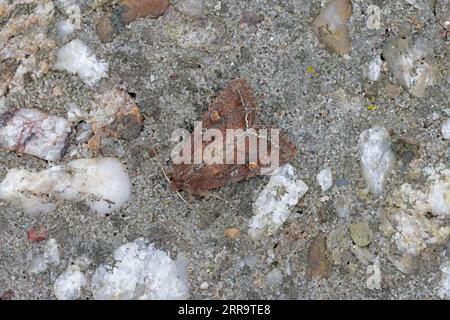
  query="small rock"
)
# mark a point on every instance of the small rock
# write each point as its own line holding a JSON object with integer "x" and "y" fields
{"x": 140, "y": 272}
{"x": 38, "y": 265}
{"x": 374, "y": 19}
{"x": 75, "y": 114}
{"x": 377, "y": 158}
{"x": 84, "y": 132}
{"x": 115, "y": 113}
{"x": 325, "y": 179}
{"x": 446, "y": 129}
{"x": 204, "y": 285}
{"x": 393, "y": 91}
{"x": 361, "y": 233}
{"x": 374, "y": 69}
{"x": 232, "y": 233}
{"x": 319, "y": 264}
{"x": 64, "y": 29}
{"x": 444, "y": 285}
{"x": 274, "y": 278}
{"x": 274, "y": 204}
{"x": 127, "y": 11}
{"x": 35, "y": 132}
{"x": 37, "y": 234}
{"x": 76, "y": 58}
{"x": 439, "y": 198}
{"x": 102, "y": 183}
{"x": 330, "y": 26}
{"x": 413, "y": 65}
{"x": 69, "y": 283}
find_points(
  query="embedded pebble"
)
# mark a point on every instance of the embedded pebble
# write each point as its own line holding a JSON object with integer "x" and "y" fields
{"x": 330, "y": 26}
{"x": 412, "y": 64}
{"x": 141, "y": 272}
{"x": 374, "y": 19}
{"x": 446, "y": 129}
{"x": 319, "y": 262}
{"x": 76, "y": 58}
{"x": 274, "y": 204}
{"x": 35, "y": 132}
{"x": 377, "y": 158}
{"x": 69, "y": 283}
{"x": 361, "y": 234}
{"x": 116, "y": 20}
{"x": 325, "y": 179}
{"x": 274, "y": 278}
{"x": 444, "y": 284}
{"x": 102, "y": 183}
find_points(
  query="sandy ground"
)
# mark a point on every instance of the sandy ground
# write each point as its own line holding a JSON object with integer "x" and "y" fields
{"x": 297, "y": 82}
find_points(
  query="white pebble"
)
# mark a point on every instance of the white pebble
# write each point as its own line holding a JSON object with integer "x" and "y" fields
{"x": 102, "y": 183}
{"x": 374, "y": 69}
{"x": 325, "y": 179}
{"x": 140, "y": 272}
{"x": 38, "y": 264}
{"x": 446, "y": 129}
{"x": 65, "y": 29}
{"x": 274, "y": 204}
{"x": 76, "y": 58}
{"x": 377, "y": 158}
{"x": 68, "y": 285}
{"x": 274, "y": 278}
{"x": 444, "y": 285}
{"x": 374, "y": 20}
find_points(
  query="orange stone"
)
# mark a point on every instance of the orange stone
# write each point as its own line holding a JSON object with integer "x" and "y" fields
{"x": 115, "y": 21}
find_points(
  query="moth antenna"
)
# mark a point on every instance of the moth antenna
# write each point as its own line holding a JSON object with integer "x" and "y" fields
{"x": 167, "y": 178}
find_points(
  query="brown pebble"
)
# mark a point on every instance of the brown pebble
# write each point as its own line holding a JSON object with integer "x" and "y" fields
{"x": 319, "y": 263}
{"x": 115, "y": 21}
{"x": 330, "y": 26}
{"x": 233, "y": 233}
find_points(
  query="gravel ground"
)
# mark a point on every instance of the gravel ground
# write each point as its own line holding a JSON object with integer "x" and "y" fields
{"x": 174, "y": 66}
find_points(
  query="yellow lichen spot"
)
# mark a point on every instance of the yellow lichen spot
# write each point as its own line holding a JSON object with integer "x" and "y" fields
{"x": 372, "y": 107}
{"x": 310, "y": 70}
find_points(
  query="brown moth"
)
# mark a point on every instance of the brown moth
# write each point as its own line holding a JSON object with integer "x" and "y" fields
{"x": 234, "y": 108}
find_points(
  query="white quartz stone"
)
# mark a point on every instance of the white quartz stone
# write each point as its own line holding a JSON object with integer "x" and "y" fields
{"x": 274, "y": 204}
{"x": 76, "y": 58}
{"x": 140, "y": 272}
{"x": 102, "y": 183}
{"x": 69, "y": 283}
{"x": 377, "y": 158}
{"x": 325, "y": 179}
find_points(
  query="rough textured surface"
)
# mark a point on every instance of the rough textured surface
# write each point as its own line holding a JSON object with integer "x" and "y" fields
{"x": 34, "y": 132}
{"x": 175, "y": 66}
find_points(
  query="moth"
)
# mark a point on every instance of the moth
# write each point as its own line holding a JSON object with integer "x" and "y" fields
{"x": 234, "y": 108}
